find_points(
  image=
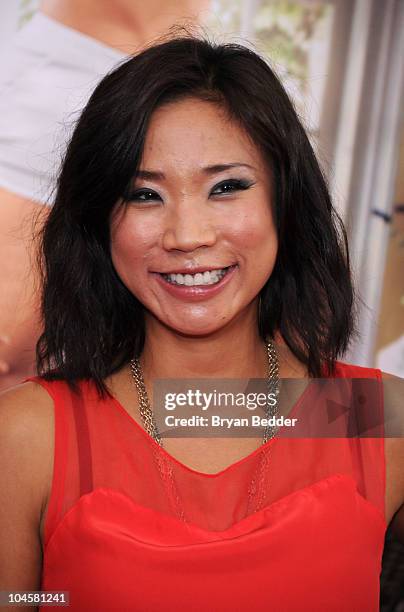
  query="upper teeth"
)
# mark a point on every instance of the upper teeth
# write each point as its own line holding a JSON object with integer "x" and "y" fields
{"x": 205, "y": 278}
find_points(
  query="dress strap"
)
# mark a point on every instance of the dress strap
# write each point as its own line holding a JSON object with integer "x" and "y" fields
{"x": 72, "y": 458}
{"x": 83, "y": 445}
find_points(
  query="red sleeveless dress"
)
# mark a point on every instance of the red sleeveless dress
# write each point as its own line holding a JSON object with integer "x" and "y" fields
{"x": 298, "y": 524}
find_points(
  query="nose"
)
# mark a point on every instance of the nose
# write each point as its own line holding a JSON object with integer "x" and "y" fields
{"x": 188, "y": 227}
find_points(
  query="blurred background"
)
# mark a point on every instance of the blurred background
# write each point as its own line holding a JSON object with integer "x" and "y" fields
{"x": 342, "y": 61}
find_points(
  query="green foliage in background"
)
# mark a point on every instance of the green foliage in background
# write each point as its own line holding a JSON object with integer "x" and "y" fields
{"x": 27, "y": 10}
{"x": 284, "y": 29}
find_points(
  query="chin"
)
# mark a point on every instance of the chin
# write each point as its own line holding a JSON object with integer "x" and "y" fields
{"x": 197, "y": 329}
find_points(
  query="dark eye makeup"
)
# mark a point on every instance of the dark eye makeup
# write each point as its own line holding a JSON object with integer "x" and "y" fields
{"x": 231, "y": 185}
{"x": 225, "y": 187}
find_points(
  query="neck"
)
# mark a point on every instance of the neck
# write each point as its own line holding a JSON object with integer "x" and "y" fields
{"x": 126, "y": 25}
{"x": 221, "y": 355}
{"x": 236, "y": 351}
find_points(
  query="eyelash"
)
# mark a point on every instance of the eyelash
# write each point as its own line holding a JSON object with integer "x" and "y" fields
{"x": 236, "y": 184}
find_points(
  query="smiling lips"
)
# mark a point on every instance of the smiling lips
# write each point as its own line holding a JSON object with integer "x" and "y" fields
{"x": 190, "y": 280}
{"x": 195, "y": 270}
{"x": 201, "y": 279}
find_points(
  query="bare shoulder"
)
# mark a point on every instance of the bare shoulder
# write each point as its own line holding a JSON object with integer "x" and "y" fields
{"x": 393, "y": 399}
{"x": 393, "y": 404}
{"x": 26, "y": 465}
{"x": 387, "y": 375}
{"x": 393, "y": 391}
{"x": 25, "y": 407}
{"x": 27, "y": 435}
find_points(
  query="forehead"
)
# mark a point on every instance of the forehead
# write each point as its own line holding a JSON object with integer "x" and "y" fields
{"x": 195, "y": 132}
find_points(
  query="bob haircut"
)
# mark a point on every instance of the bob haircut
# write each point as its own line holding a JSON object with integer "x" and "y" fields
{"x": 92, "y": 324}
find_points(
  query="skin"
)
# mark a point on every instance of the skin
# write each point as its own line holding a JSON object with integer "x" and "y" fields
{"x": 126, "y": 25}
{"x": 19, "y": 303}
{"x": 182, "y": 222}
{"x": 185, "y": 223}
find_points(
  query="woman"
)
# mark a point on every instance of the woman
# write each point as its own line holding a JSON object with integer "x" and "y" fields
{"x": 189, "y": 159}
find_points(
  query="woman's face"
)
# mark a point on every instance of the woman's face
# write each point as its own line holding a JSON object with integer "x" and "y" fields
{"x": 200, "y": 202}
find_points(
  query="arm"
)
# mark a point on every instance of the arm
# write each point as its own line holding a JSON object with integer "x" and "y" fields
{"x": 26, "y": 463}
{"x": 19, "y": 301}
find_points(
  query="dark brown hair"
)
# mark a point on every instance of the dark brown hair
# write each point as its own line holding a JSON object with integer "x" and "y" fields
{"x": 92, "y": 323}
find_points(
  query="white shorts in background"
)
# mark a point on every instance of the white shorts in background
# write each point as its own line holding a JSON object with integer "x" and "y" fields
{"x": 47, "y": 74}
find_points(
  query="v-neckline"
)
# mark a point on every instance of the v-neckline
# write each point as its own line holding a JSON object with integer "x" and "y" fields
{"x": 262, "y": 448}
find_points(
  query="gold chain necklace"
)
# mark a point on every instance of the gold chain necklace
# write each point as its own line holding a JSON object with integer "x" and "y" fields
{"x": 146, "y": 411}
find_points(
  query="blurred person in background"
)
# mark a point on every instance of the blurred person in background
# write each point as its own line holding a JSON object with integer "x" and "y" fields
{"x": 52, "y": 66}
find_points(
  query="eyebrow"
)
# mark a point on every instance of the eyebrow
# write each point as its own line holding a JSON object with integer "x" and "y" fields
{"x": 154, "y": 175}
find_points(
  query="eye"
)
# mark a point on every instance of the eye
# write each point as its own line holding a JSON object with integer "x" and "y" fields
{"x": 222, "y": 188}
{"x": 230, "y": 186}
{"x": 143, "y": 195}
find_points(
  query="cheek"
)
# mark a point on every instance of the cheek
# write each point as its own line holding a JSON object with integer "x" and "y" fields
{"x": 255, "y": 236}
{"x": 130, "y": 246}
